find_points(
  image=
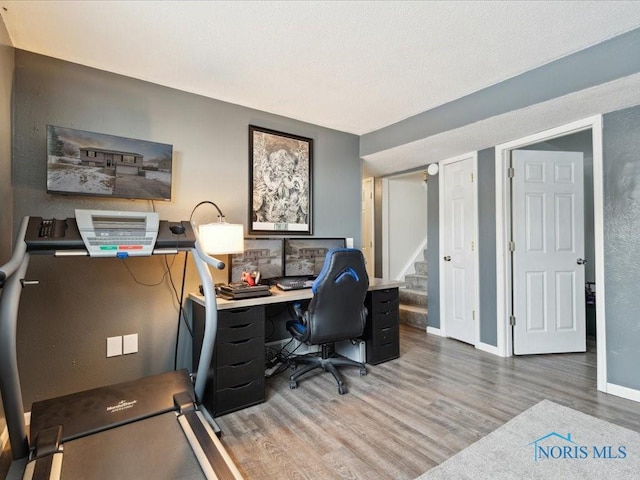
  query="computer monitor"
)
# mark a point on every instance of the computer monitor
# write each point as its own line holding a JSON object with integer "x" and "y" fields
{"x": 305, "y": 256}
{"x": 260, "y": 254}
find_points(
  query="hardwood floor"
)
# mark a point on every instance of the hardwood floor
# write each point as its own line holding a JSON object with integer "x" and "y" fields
{"x": 406, "y": 415}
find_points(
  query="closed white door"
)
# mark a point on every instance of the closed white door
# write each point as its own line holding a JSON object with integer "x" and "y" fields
{"x": 548, "y": 257}
{"x": 368, "y": 224}
{"x": 457, "y": 250}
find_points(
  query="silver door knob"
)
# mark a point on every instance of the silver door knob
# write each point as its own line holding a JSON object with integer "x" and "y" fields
{"x": 447, "y": 258}
{"x": 581, "y": 261}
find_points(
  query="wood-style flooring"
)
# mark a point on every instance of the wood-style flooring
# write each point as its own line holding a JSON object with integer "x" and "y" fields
{"x": 407, "y": 415}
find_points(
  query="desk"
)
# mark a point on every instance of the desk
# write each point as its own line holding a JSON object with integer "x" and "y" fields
{"x": 236, "y": 376}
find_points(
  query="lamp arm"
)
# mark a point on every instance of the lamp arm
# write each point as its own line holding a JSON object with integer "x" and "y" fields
{"x": 209, "y": 202}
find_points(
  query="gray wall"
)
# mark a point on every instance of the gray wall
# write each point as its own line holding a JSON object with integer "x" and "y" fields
{"x": 433, "y": 252}
{"x": 487, "y": 246}
{"x": 6, "y": 190}
{"x": 64, "y": 322}
{"x": 621, "y": 143}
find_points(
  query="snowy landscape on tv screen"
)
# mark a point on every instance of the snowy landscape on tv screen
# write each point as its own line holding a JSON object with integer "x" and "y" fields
{"x": 88, "y": 163}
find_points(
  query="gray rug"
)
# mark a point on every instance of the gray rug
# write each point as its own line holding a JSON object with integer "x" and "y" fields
{"x": 548, "y": 441}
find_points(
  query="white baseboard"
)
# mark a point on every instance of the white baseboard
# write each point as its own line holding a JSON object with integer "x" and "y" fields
{"x": 485, "y": 347}
{"x": 434, "y": 331}
{"x": 624, "y": 392}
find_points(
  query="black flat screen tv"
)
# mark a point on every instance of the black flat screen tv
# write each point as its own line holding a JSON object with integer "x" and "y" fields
{"x": 97, "y": 164}
{"x": 305, "y": 256}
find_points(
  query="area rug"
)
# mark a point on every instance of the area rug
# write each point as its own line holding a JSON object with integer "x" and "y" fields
{"x": 547, "y": 441}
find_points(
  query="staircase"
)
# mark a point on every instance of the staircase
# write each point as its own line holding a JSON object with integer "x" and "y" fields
{"x": 413, "y": 297}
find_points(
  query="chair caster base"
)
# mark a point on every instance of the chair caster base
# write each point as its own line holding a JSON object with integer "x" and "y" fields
{"x": 342, "y": 389}
{"x": 363, "y": 371}
{"x": 293, "y": 384}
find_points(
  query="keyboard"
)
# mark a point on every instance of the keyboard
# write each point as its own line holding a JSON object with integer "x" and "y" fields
{"x": 294, "y": 283}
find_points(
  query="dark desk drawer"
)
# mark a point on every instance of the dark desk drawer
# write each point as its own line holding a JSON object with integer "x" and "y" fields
{"x": 240, "y": 373}
{"x": 239, "y": 397}
{"x": 240, "y": 351}
{"x": 383, "y": 296}
{"x": 384, "y": 319}
{"x": 383, "y": 353}
{"x": 386, "y": 335}
{"x": 239, "y": 316}
{"x": 240, "y": 331}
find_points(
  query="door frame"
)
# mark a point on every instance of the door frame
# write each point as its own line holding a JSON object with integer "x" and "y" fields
{"x": 372, "y": 231}
{"x": 476, "y": 259}
{"x": 503, "y": 227}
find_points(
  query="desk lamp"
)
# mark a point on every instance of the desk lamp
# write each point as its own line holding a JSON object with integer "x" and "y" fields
{"x": 212, "y": 239}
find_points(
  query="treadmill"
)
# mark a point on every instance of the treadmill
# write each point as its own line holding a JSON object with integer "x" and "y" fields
{"x": 149, "y": 428}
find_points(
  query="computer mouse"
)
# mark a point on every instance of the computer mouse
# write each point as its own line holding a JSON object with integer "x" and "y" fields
{"x": 177, "y": 229}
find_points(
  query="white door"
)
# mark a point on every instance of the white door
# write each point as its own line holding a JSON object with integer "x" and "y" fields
{"x": 457, "y": 250}
{"x": 548, "y": 257}
{"x": 368, "y": 224}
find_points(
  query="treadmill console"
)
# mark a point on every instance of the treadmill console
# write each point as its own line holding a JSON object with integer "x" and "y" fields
{"x": 114, "y": 233}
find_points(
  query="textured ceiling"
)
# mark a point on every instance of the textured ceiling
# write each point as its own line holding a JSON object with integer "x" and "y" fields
{"x": 351, "y": 66}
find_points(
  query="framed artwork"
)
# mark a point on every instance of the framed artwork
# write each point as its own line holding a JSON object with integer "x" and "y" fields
{"x": 280, "y": 166}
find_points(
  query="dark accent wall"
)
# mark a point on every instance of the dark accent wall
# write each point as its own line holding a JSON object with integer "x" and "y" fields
{"x": 433, "y": 252}
{"x": 487, "y": 246}
{"x": 621, "y": 144}
{"x": 65, "y": 320}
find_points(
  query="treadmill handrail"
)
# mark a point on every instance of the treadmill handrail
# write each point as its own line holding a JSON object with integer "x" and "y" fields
{"x": 19, "y": 250}
{"x": 202, "y": 260}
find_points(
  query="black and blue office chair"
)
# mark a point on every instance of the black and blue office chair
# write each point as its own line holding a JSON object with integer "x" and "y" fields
{"x": 336, "y": 312}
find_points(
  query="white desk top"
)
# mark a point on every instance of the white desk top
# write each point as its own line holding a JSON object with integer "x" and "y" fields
{"x": 280, "y": 296}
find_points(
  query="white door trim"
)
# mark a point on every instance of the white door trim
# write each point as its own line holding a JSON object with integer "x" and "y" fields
{"x": 385, "y": 228}
{"x": 503, "y": 259}
{"x": 476, "y": 258}
{"x": 372, "y": 232}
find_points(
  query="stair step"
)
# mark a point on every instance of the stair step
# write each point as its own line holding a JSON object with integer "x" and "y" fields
{"x": 421, "y": 267}
{"x": 411, "y": 296}
{"x": 413, "y": 315}
{"x": 416, "y": 281}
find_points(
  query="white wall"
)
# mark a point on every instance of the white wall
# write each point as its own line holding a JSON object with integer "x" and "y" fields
{"x": 406, "y": 199}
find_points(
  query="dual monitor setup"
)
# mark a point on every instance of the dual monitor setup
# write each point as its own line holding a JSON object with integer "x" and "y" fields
{"x": 282, "y": 258}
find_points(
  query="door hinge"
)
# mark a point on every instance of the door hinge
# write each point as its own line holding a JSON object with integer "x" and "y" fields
{"x": 512, "y": 320}
{"x": 512, "y": 246}
{"x": 511, "y": 172}
{"x": 473, "y": 245}
{"x": 473, "y": 315}
{"x": 472, "y": 178}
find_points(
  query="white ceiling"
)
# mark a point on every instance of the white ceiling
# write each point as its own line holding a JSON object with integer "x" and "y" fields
{"x": 354, "y": 66}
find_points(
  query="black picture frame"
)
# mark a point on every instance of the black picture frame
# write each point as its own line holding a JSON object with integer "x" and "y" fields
{"x": 280, "y": 183}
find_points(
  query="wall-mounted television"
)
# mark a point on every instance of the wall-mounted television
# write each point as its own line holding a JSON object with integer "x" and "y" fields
{"x": 260, "y": 254}
{"x": 97, "y": 164}
{"x": 305, "y": 256}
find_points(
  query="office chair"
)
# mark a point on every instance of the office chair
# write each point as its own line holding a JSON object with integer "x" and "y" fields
{"x": 336, "y": 312}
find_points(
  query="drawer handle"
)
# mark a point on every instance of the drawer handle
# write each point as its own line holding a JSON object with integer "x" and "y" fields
{"x": 244, "y": 325}
{"x": 385, "y": 344}
{"x": 239, "y": 342}
{"x": 239, "y": 310}
{"x": 240, "y": 386}
{"x": 240, "y": 364}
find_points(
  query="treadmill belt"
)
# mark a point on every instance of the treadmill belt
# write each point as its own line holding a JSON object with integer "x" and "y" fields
{"x": 153, "y": 449}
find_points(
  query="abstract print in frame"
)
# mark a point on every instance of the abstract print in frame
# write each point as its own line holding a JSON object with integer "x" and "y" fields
{"x": 280, "y": 166}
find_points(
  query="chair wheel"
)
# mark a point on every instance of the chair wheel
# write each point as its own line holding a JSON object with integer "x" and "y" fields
{"x": 342, "y": 389}
{"x": 293, "y": 384}
{"x": 363, "y": 372}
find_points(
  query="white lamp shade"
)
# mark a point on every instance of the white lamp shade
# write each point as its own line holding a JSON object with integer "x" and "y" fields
{"x": 221, "y": 238}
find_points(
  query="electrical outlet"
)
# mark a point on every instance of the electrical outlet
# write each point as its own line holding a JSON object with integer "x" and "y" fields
{"x": 130, "y": 344}
{"x": 349, "y": 242}
{"x": 114, "y": 346}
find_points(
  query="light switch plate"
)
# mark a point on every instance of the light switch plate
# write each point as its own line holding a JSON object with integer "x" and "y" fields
{"x": 114, "y": 346}
{"x": 130, "y": 344}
